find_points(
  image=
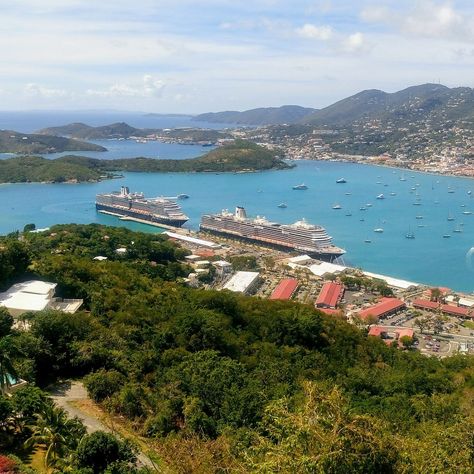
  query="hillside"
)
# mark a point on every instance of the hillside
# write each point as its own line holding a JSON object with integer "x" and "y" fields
{"x": 26, "y": 169}
{"x": 24, "y": 143}
{"x": 86, "y": 132}
{"x": 234, "y": 157}
{"x": 435, "y": 103}
{"x": 261, "y": 116}
{"x": 213, "y": 381}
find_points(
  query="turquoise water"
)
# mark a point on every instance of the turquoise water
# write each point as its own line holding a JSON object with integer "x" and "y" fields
{"x": 429, "y": 258}
{"x": 131, "y": 149}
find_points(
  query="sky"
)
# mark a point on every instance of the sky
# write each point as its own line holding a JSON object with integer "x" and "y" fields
{"x": 192, "y": 56}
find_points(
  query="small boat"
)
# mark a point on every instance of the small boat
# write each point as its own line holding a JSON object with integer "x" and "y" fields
{"x": 300, "y": 187}
{"x": 348, "y": 213}
{"x": 458, "y": 230}
{"x": 469, "y": 192}
{"x": 402, "y": 178}
{"x": 340, "y": 181}
{"x": 386, "y": 185}
{"x": 362, "y": 220}
{"x": 337, "y": 206}
{"x": 363, "y": 208}
{"x": 393, "y": 194}
{"x": 182, "y": 196}
{"x": 378, "y": 230}
{"x": 409, "y": 235}
{"x": 450, "y": 217}
{"x": 380, "y": 196}
{"x": 417, "y": 203}
{"x": 467, "y": 213}
{"x": 378, "y": 182}
{"x": 446, "y": 236}
{"x": 348, "y": 194}
{"x": 463, "y": 205}
{"x": 367, "y": 241}
{"x": 419, "y": 217}
{"x": 421, "y": 225}
{"x": 368, "y": 204}
{"x": 282, "y": 205}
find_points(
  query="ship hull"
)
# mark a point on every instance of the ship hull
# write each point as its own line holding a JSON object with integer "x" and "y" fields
{"x": 314, "y": 253}
{"x": 153, "y": 219}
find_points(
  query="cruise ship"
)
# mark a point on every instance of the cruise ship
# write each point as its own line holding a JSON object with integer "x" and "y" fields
{"x": 300, "y": 236}
{"x": 136, "y": 207}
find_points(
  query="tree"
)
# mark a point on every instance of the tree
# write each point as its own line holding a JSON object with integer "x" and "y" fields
{"x": 435, "y": 294}
{"x": 7, "y": 371}
{"x": 422, "y": 323}
{"x": 99, "y": 450}
{"x": 57, "y": 433}
{"x": 406, "y": 341}
{"x": 29, "y": 227}
{"x": 6, "y": 322}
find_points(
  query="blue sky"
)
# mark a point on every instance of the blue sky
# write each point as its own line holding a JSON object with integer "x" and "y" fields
{"x": 195, "y": 56}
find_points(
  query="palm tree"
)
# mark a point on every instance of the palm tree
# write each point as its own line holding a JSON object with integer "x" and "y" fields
{"x": 59, "y": 434}
{"x": 7, "y": 371}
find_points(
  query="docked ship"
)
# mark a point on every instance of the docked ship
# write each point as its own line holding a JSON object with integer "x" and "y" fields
{"x": 135, "y": 206}
{"x": 300, "y": 236}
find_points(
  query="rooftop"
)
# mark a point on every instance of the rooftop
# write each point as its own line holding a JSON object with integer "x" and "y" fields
{"x": 383, "y": 307}
{"x": 241, "y": 281}
{"x": 285, "y": 289}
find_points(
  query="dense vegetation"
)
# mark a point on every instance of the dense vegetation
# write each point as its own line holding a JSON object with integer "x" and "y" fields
{"x": 234, "y": 157}
{"x": 220, "y": 382}
{"x": 29, "y": 169}
{"x": 123, "y": 130}
{"x": 15, "y": 142}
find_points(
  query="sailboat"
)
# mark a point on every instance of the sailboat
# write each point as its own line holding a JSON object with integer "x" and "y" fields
{"x": 337, "y": 206}
{"x": 450, "y": 217}
{"x": 409, "y": 234}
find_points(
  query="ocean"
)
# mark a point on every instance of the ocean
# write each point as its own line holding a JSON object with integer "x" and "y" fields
{"x": 428, "y": 258}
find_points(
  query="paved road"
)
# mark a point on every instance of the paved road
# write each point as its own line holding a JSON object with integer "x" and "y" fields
{"x": 66, "y": 393}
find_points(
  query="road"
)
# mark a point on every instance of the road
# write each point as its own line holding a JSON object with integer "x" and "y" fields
{"x": 66, "y": 393}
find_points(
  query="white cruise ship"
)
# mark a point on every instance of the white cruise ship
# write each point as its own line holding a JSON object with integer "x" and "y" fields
{"x": 300, "y": 236}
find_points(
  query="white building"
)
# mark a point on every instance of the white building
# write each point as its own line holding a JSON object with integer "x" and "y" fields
{"x": 35, "y": 295}
{"x": 242, "y": 282}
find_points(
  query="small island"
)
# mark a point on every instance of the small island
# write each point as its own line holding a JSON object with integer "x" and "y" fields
{"x": 237, "y": 156}
{"x": 31, "y": 143}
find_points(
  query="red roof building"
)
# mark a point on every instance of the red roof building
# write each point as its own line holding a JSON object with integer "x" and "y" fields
{"x": 444, "y": 308}
{"x": 285, "y": 289}
{"x": 425, "y": 304}
{"x": 385, "y": 307}
{"x": 330, "y": 295}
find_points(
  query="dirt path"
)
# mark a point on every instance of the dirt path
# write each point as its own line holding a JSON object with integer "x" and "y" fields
{"x": 70, "y": 396}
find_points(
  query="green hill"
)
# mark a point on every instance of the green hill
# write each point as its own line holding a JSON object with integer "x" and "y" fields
{"x": 261, "y": 116}
{"x": 238, "y": 156}
{"x": 433, "y": 102}
{"x": 24, "y": 143}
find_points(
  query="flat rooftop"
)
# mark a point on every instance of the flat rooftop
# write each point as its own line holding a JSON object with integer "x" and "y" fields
{"x": 241, "y": 281}
{"x": 192, "y": 240}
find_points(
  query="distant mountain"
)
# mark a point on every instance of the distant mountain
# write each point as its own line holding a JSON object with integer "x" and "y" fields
{"x": 31, "y": 143}
{"x": 86, "y": 132}
{"x": 287, "y": 114}
{"x": 433, "y": 102}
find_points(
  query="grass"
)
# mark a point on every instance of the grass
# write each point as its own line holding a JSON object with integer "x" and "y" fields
{"x": 468, "y": 324}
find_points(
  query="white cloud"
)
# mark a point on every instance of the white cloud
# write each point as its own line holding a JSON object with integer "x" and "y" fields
{"x": 310, "y": 31}
{"x": 427, "y": 18}
{"x": 150, "y": 87}
{"x": 36, "y": 90}
{"x": 354, "y": 43}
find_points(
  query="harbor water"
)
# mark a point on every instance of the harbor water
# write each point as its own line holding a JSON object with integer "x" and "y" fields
{"x": 415, "y": 203}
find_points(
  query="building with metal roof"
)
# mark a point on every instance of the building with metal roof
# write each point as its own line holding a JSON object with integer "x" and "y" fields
{"x": 285, "y": 289}
{"x": 385, "y": 307}
{"x": 242, "y": 282}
